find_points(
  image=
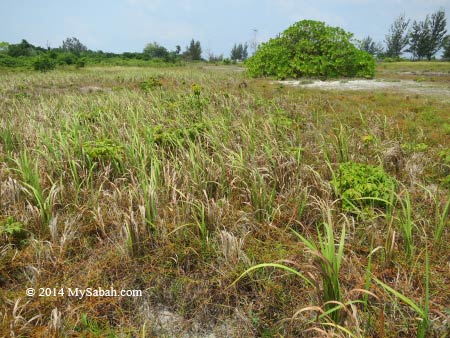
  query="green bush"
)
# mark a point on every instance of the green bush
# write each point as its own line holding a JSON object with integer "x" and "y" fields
{"x": 312, "y": 49}
{"x": 13, "y": 62}
{"x": 151, "y": 83}
{"x": 361, "y": 185}
{"x": 43, "y": 64}
{"x": 80, "y": 63}
{"x": 104, "y": 151}
{"x": 172, "y": 137}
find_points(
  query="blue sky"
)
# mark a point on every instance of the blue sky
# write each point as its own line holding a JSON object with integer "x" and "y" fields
{"x": 127, "y": 25}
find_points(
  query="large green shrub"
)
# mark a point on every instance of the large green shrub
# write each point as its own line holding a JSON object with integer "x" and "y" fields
{"x": 313, "y": 49}
{"x": 43, "y": 64}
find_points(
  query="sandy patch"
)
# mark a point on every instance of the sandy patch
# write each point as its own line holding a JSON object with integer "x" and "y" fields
{"x": 93, "y": 89}
{"x": 402, "y": 86}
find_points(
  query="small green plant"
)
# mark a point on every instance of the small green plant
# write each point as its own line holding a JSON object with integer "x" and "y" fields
{"x": 89, "y": 117}
{"x": 330, "y": 264}
{"x": 368, "y": 139}
{"x": 91, "y": 327}
{"x": 444, "y": 155}
{"x": 13, "y": 230}
{"x": 415, "y": 147}
{"x": 104, "y": 151}
{"x": 341, "y": 143}
{"x": 173, "y": 137}
{"x": 152, "y": 82}
{"x": 361, "y": 185}
{"x": 446, "y": 128}
{"x": 196, "y": 89}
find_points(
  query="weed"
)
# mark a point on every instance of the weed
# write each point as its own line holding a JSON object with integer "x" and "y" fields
{"x": 14, "y": 231}
{"x": 104, "y": 151}
{"x": 151, "y": 83}
{"x": 361, "y": 185}
{"x": 419, "y": 147}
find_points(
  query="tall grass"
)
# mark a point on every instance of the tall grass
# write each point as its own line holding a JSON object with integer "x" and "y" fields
{"x": 329, "y": 262}
{"x": 407, "y": 225}
{"x": 423, "y": 310}
{"x": 31, "y": 181}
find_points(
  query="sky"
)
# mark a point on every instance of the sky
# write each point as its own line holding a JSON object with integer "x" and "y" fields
{"x": 128, "y": 25}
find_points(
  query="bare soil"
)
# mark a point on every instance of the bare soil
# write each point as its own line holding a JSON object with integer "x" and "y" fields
{"x": 408, "y": 86}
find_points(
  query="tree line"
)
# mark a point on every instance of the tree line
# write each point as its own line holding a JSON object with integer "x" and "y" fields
{"x": 422, "y": 38}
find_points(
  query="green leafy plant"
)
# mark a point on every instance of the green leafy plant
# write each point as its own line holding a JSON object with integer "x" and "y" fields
{"x": 444, "y": 155}
{"x": 152, "y": 82}
{"x": 89, "y": 117}
{"x": 43, "y": 64}
{"x": 415, "y": 147}
{"x": 311, "y": 48}
{"x": 172, "y": 137}
{"x": 361, "y": 185}
{"x": 13, "y": 230}
{"x": 196, "y": 89}
{"x": 104, "y": 151}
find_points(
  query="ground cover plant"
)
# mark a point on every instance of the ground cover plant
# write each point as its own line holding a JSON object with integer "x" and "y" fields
{"x": 256, "y": 210}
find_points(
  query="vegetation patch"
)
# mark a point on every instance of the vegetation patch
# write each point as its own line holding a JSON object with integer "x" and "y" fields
{"x": 13, "y": 231}
{"x": 104, "y": 151}
{"x": 311, "y": 49}
{"x": 153, "y": 82}
{"x": 173, "y": 137}
{"x": 360, "y": 185}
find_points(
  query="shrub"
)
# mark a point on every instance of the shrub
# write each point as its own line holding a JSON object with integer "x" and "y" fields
{"x": 151, "y": 83}
{"x": 80, "y": 63}
{"x": 311, "y": 48}
{"x": 362, "y": 185}
{"x": 65, "y": 59}
{"x": 104, "y": 151}
{"x": 172, "y": 137}
{"x": 43, "y": 64}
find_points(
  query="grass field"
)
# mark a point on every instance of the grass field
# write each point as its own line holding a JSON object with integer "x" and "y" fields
{"x": 240, "y": 207}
